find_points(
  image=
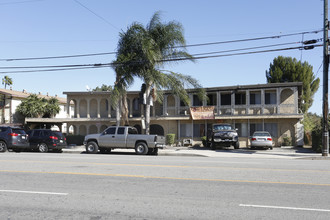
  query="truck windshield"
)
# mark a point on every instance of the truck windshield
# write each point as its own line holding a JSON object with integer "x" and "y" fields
{"x": 222, "y": 127}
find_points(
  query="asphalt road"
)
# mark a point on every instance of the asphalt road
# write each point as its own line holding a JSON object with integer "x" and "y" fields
{"x": 126, "y": 186}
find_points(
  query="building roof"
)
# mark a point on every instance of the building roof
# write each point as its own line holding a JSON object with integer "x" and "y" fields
{"x": 210, "y": 89}
{"x": 24, "y": 94}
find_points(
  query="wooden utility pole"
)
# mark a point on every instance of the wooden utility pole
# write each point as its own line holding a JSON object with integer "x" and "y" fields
{"x": 325, "y": 148}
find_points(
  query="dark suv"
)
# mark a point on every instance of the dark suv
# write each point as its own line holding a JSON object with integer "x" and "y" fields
{"x": 45, "y": 140}
{"x": 13, "y": 138}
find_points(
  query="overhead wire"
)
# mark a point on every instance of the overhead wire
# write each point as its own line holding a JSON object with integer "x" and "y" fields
{"x": 191, "y": 45}
{"x": 113, "y": 64}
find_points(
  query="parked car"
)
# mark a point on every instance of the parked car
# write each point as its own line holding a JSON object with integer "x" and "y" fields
{"x": 13, "y": 138}
{"x": 222, "y": 135}
{"x": 261, "y": 139}
{"x": 45, "y": 140}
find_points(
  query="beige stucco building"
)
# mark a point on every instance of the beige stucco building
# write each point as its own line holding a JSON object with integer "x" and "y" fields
{"x": 11, "y": 99}
{"x": 271, "y": 107}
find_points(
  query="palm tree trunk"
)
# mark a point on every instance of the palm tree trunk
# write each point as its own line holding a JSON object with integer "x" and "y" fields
{"x": 124, "y": 110}
{"x": 118, "y": 113}
{"x": 147, "y": 116}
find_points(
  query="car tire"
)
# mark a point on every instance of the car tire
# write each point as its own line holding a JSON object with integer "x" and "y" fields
{"x": 271, "y": 148}
{"x": 92, "y": 147}
{"x": 236, "y": 146}
{"x": 43, "y": 148}
{"x": 212, "y": 146}
{"x": 3, "y": 146}
{"x": 141, "y": 148}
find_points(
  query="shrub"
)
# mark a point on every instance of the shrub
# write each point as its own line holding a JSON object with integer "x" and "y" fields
{"x": 170, "y": 139}
{"x": 204, "y": 141}
{"x": 287, "y": 141}
{"x": 317, "y": 140}
{"x": 75, "y": 139}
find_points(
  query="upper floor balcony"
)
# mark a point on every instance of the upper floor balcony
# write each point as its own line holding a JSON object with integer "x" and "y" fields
{"x": 253, "y": 100}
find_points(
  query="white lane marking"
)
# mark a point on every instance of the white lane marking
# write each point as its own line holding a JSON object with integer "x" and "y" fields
{"x": 35, "y": 192}
{"x": 283, "y": 207}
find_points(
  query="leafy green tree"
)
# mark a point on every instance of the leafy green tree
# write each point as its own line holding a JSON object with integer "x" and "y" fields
{"x": 103, "y": 88}
{"x": 288, "y": 69}
{"x": 7, "y": 81}
{"x": 52, "y": 108}
{"x": 35, "y": 107}
{"x": 144, "y": 51}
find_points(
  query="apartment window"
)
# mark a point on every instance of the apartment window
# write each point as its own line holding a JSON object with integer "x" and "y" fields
{"x": 270, "y": 98}
{"x": 226, "y": 99}
{"x": 242, "y": 129}
{"x": 272, "y": 129}
{"x": 197, "y": 101}
{"x": 186, "y": 130}
{"x": 255, "y": 98}
{"x": 255, "y": 127}
{"x": 212, "y": 99}
{"x": 240, "y": 99}
{"x": 199, "y": 130}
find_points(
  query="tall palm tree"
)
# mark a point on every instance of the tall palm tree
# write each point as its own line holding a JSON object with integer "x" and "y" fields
{"x": 144, "y": 51}
{"x": 7, "y": 81}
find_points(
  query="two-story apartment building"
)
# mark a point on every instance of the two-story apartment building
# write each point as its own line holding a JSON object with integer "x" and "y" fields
{"x": 270, "y": 107}
{"x": 10, "y": 99}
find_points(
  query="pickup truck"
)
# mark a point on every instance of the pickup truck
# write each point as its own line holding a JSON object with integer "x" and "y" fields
{"x": 123, "y": 137}
{"x": 222, "y": 135}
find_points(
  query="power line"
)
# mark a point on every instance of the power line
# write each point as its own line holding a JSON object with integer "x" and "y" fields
{"x": 192, "y": 45}
{"x": 58, "y": 57}
{"x": 194, "y": 55}
{"x": 253, "y": 39}
{"x": 20, "y": 2}
{"x": 96, "y": 14}
{"x": 88, "y": 66}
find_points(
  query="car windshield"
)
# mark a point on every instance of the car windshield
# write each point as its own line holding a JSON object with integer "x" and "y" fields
{"x": 222, "y": 127}
{"x": 263, "y": 134}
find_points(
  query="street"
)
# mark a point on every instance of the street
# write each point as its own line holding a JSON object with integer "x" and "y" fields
{"x": 126, "y": 186}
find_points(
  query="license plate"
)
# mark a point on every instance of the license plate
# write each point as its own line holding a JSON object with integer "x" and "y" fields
{"x": 23, "y": 137}
{"x": 61, "y": 141}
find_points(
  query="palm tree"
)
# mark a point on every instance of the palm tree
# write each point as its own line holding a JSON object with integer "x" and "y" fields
{"x": 7, "y": 81}
{"x": 143, "y": 51}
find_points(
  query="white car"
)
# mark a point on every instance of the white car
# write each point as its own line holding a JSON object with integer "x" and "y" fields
{"x": 261, "y": 139}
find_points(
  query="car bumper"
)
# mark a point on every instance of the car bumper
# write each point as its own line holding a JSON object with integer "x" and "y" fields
{"x": 261, "y": 144}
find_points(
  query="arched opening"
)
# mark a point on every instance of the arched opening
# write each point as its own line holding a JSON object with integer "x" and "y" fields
{"x": 156, "y": 129}
{"x": 82, "y": 130}
{"x": 138, "y": 127}
{"x": 104, "y": 108}
{"x": 93, "y": 106}
{"x": 83, "y": 109}
{"x": 93, "y": 129}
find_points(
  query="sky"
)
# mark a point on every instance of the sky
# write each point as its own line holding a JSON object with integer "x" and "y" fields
{"x": 48, "y": 28}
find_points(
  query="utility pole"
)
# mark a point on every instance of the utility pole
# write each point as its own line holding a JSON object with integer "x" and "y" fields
{"x": 325, "y": 148}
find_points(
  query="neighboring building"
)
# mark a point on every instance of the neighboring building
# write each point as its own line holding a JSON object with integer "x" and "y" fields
{"x": 271, "y": 107}
{"x": 10, "y": 99}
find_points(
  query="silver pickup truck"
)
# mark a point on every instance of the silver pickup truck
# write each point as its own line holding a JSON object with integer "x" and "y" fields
{"x": 123, "y": 137}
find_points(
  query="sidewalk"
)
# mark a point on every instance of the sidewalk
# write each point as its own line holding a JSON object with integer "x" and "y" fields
{"x": 283, "y": 152}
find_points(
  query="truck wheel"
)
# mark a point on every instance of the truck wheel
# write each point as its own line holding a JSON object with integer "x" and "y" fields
{"x": 92, "y": 147}
{"x": 141, "y": 148}
{"x": 3, "y": 146}
{"x": 236, "y": 146}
